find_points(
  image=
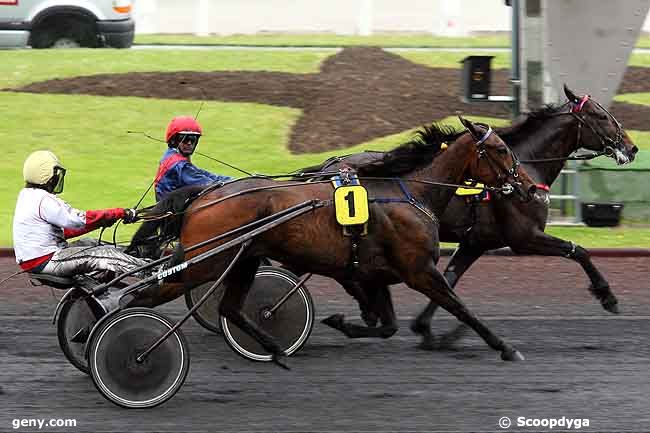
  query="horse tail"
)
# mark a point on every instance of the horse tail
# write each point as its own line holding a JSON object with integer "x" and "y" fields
{"x": 162, "y": 223}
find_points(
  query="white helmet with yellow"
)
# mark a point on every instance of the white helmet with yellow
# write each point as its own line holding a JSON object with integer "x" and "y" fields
{"x": 43, "y": 168}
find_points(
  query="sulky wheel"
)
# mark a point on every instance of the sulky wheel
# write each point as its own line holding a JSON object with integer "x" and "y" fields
{"x": 290, "y": 324}
{"x": 207, "y": 315}
{"x": 74, "y": 323}
{"x": 114, "y": 347}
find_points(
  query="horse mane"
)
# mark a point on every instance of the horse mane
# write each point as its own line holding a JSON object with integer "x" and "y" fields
{"x": 415, "y": 153}
{"x": 522, "y": 126}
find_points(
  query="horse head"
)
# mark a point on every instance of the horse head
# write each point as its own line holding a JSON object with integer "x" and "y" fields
{"x": 495, "y": 163}
{"x": 599, "y": 130}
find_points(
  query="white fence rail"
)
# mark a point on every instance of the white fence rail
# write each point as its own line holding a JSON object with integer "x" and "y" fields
{"x": 350, "y": 17}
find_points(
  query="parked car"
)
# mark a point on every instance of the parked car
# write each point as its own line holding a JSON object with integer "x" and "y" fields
{"x": 66, "y": 23}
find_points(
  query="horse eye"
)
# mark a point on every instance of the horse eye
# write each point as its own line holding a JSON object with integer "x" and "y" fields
{"x": 502, "y": 150}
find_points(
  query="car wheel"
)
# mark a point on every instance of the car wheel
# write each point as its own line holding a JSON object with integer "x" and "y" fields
{"x": 64, "y": 33}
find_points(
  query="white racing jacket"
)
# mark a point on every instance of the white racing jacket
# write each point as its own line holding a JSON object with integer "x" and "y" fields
{"x": 43, "y": 222}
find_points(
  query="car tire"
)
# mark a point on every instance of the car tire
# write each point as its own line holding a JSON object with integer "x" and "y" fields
{"x": 65, "y": 33}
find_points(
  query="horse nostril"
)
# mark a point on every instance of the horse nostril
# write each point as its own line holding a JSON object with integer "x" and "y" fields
{"x": 634, "y": 150}
{"x": 532, "y": 190}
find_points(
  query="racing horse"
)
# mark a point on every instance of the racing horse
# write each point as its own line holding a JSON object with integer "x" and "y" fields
{"x": 401, "y": 240}
{"x": 543, "y": 139}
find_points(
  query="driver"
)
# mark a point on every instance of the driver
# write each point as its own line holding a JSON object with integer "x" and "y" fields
{"x": 43, "y": 222}
{"x": 176, "y": 169}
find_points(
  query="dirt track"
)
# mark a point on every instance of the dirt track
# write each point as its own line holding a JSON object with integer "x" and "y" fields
{"x": 581, "y": 363}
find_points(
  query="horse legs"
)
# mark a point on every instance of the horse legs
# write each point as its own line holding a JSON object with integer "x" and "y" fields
{"x": 382, "y": 304}
{"x": 433, "y": 284}
{"x": 237, "y": 286}
{"x": 546, "y": 245}
{"x": 463, "y": 258}
{"x": 365, "y": 299}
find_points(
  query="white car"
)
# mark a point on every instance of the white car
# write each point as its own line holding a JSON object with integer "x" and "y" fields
{"x": 66, "y": 23}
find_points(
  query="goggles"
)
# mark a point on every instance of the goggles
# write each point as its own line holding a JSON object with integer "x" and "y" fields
{"x": 192, "y": 139}
{"x": 59, "y": 175}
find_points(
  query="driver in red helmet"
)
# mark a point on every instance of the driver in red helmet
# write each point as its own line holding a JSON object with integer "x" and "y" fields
{"x": 176, "y": 169}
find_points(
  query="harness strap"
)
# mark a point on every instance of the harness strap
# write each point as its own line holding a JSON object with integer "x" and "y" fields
{"x": 485, "y": 137}
{"x": 578, "y": 107}
{"x": 410, "y": 199}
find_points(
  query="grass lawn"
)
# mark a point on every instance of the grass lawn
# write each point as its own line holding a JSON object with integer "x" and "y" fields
{"x": 108, "y": 167}
{"x": 20, "y": 67}
{"x": 329, "y": 40}
{"x": 333, "y": 40}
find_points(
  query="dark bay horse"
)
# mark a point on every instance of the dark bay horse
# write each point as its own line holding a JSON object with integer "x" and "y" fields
{"x": 551, "y": 134}
{"x": 401, "y": 244}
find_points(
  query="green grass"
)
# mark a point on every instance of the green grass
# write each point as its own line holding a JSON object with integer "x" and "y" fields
{"x": 503, "y": 60}
{"x": 643, "y": 41}
{"x": 20, "y": 67}
{"x": 403, "y": 40}
{"x": 604, "y": 237}
{"x": 330, "y": 40}
{"x": 441, "y": 59}
{"x": 108, "y": 167}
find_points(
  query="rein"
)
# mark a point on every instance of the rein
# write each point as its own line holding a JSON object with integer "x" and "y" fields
{"x": 583, "y": 157}
{"x": 296, "y": 184}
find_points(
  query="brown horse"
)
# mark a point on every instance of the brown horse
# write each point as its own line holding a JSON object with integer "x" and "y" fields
{"x": 543, "y": 139}
{"x": 401, "y": 244}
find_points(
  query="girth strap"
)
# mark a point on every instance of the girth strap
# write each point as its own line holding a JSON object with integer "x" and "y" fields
{"x": 409, "y": 198}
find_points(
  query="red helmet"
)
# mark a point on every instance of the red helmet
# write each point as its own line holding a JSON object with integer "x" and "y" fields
{"x": 182, "y": 125}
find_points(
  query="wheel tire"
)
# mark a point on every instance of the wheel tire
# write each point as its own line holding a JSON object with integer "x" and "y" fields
{"x": 74, "y": 323}
{"x": 70, "y": 32}
{"x": 290, "y": 325}
{"x": 112, "y": 359}
{"x": 207, "y": 315}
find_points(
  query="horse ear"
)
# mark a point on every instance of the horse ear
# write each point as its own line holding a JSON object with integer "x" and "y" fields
{"x": 470, "y": 126}
{"x": 570, "y": 95}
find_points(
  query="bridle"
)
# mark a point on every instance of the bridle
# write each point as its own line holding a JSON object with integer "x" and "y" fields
{"x": 610, "y": 145}
{"x": 507, "y": 185}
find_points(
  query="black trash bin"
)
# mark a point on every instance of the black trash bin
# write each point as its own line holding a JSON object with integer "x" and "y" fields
{"x": 602, "y": 214}
{"x": 476, "y": 78}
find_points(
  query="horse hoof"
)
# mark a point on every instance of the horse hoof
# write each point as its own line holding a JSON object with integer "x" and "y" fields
{"x": 428, "y": 343}
{"x": 279, "y": 360}
{"x": 334, "y": 321}
{"x": 370, "y": 319}
{"x": 512, "y": 355}
{"x": 420, "y": 328}
{"x": 388, "y": 331}
{"x": 610, "y": 304}
{"x": 448, "y": 339}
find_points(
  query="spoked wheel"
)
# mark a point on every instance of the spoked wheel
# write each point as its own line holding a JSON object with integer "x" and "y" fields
{"x": 75, "y": 321}
{"x": 208, "y": 314}
{"x": 290, "y": 324}
{"x": 116, "y": 344}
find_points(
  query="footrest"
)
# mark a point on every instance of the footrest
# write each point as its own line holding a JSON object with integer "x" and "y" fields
{"x": 51, "y": 280}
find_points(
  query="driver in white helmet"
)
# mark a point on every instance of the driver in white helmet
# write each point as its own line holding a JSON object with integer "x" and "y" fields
{"x": 43, "y": 222}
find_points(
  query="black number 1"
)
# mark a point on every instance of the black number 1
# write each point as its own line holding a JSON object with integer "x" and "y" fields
{"x": 350, "y": 199}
